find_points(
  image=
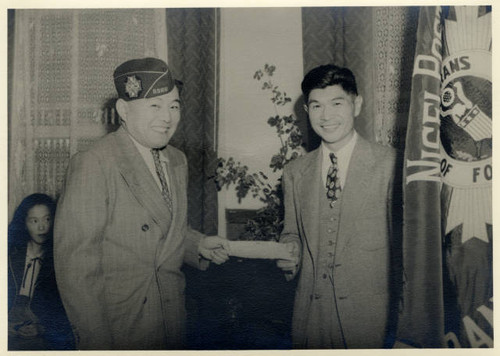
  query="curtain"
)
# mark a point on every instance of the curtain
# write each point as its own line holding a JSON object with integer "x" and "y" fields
{"x": 193, "y": 40}
{"x": 193, "y": 45}
{"x": 62, "y": 91}
{"x": 377, "y": 44}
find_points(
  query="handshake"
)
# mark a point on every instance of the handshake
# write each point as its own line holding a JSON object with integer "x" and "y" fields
{"x": 218, "y": 250}
{"x": 215, "y": 249}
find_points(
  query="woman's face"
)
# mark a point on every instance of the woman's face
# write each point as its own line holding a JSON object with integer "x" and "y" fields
{"x": 38, "y": 223}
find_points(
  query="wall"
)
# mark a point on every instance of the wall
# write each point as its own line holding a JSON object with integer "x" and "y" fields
{"x": 250, "y": 38}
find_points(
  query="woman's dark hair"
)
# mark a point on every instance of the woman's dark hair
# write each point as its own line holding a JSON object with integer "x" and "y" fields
{"x": 326, "y": 75}
{"x": 18, "y": 233}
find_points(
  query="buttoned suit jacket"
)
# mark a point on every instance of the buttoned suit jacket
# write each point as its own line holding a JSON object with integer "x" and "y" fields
{"x": 364, "y": 261}
{"x": 117, "y": 260}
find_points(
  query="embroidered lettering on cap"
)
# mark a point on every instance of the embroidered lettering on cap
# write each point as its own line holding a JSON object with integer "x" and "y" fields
{"x": 160, "y": 90}
{"x": 133, "y": 86}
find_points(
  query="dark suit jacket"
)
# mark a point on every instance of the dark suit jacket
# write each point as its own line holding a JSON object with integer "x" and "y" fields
{"x": 363, "y": 250}
{"x": 117, "y": 259}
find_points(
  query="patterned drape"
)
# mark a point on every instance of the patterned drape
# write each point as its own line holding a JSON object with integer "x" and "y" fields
{"x": 193, "y": 40}
{"x": 377, "y": 44}
{"x": 62, "y": 87}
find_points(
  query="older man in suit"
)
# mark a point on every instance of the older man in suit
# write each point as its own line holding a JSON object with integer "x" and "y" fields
{"x": 338, "y": 211}
{"x": 121, "y": 231}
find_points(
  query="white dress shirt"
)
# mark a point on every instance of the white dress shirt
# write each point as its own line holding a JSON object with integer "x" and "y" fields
{"x": 148, "y": 158}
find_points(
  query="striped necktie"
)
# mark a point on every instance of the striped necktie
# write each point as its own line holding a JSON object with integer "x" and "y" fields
{"x": 163, "y": 180}
{"x": 332, "y": 181}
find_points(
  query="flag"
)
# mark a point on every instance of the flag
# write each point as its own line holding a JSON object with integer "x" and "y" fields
{"x": 421, "y": 322}
{"x": 447, "y": 234}
{"x": 466, "y": 138}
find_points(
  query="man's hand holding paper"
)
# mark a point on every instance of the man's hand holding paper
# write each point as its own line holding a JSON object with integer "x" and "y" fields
{"x": 287, "y": 254}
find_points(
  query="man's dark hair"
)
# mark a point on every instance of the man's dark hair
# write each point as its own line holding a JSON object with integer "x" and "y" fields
{"x": 179, "y": 85}
{"x": 326, "y": 75}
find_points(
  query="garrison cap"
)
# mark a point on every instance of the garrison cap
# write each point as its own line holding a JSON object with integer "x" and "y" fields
{"x": 143, "y": 78}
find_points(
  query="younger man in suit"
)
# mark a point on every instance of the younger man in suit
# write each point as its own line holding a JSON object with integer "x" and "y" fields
{"x": 121, "y": 231}
{"x": 338, "y": 211}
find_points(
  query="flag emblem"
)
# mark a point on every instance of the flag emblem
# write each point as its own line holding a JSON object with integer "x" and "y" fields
{"x": 466, "y": 122}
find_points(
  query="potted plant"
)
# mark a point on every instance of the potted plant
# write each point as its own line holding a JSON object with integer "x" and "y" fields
{"x": 268, "y": 222}
{"x": 251, "y": 298}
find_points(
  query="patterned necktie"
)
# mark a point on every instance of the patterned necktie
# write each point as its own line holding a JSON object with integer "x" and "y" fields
{"x": 333, "y": 182}
{"x": 163, "y": 180}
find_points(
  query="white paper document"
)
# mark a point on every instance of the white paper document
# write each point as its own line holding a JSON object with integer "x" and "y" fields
{"x": 259, "y": 249}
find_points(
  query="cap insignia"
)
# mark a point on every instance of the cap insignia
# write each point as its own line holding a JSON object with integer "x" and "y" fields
{"x": 133, "y": 86}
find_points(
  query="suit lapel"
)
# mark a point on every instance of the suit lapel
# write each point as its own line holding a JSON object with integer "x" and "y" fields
{"x": 308, "y": 188}
{"x": 139, "y": 179}
{"x": 357, "y": 181}
{"x": 177, "y": 182}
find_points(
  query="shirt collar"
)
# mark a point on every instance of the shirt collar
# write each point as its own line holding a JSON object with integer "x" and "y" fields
{"x": 343, "y": 153}
{"x": 31, "y": 253}
{"x": 343, "y": 158}
{"x": 146, "y": 151}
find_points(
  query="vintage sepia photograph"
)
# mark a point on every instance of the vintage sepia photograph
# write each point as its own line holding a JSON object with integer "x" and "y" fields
{"x": 302, "y": 177}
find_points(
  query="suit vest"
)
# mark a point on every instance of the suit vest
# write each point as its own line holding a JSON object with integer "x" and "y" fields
{"x": 326, "y": 331}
